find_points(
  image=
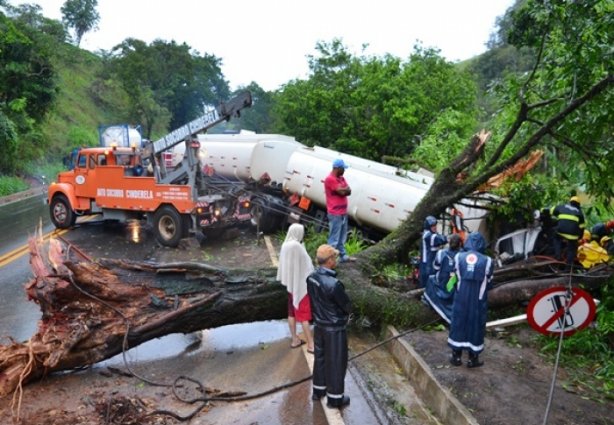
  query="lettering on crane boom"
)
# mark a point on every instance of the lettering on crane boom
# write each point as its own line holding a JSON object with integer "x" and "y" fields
{"x": 190, "y": 128}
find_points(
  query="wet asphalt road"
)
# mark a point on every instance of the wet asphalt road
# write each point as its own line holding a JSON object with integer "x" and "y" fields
{"x": 252, "y": 357}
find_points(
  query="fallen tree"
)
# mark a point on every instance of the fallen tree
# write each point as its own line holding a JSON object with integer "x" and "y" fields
{"x": 92, "y": 311}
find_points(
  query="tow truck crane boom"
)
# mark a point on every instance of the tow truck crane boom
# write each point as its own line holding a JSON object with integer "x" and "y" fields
{"x": 153, "y": 150}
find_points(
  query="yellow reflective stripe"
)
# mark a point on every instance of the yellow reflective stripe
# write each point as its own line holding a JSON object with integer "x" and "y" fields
{"x": 569, "y": 217}
{"x": 570, "y": 237}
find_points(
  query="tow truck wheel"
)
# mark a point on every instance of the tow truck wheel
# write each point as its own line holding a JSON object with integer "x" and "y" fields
{"x": 168, "y": 226}
{"x": 61, "y": 213}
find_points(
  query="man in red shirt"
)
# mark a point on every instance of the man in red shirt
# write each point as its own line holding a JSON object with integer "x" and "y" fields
{"x": 337, "y": 190}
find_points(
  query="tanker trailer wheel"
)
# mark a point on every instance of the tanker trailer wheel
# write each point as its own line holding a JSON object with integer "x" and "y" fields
{"x": 61, "y": 213}
{"x": 168, "y": 226}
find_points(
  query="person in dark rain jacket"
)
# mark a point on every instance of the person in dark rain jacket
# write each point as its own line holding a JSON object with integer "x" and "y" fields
{"x": 473, "y": 272}
{"x": 569, "y": 229}
{"x": 330, "y": 307}
{"x": 436, "y": 293}
{"x": 431, "y": 243}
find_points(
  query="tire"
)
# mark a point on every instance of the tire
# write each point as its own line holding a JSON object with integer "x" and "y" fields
{"x": 168, "y": 226}
{"x": 260, "y": 218}
{"x": 61, "y": 213}
{"x": 265, "y": 215}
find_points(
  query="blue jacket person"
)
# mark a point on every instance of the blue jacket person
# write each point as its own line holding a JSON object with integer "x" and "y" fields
{"x": 473, "y": 272}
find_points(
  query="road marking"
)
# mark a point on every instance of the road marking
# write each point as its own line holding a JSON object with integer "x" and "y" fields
{"x": 271, "y": 249}
{"x": 333, "y": 415}
{"x": 13, "y": 255}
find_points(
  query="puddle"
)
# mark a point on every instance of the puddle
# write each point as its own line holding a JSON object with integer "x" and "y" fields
{"x": 222, "y": 339}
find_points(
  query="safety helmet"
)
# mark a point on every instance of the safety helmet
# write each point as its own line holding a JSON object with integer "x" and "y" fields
{"x": 609, "y": 225}
{"x": 574, "y": 199}
{"x": 429, "y": 222}
{"x": 604, "y": 240}
{"x": 586, "y": 235}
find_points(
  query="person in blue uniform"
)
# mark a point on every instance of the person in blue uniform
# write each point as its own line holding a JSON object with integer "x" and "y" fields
{"x": 430, "y": 244}
{"x": 436, "y": 293}
{"x": 330, "y": 307}
{"x": 473, "y": 270}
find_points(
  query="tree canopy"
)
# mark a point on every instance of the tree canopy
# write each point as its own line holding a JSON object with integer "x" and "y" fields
{"x": 27, "y": 88}
{"x": 166, "y": 79}
{"x": 81, "y": 15}
{"x": 373, "y": 106}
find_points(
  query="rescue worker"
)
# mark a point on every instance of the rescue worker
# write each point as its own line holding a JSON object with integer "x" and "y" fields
{"x": 569, "y": 228}
{"x": 473, "y": 271}
{"x": 330, "y": 307}
{"x": 436, "y": 293}
{"x": 600, "y": 230}
{"x": 431, "y": 243}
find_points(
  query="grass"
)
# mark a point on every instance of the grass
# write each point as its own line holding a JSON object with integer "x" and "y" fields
{"x": 10, "y": 185}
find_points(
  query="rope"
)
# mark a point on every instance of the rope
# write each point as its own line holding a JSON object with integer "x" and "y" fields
{"x": 568, "y": 297}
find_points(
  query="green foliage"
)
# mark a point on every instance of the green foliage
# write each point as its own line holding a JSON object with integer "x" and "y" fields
{"x": 8, "y": 144}
{"x": 574, "y": 41}
{"x": 445, "y": 138}
{"x": 532, "y": 192}
{"x": 372, "y": 106}
{"x": 80, "y": 136}
{"x": 81, "y": 15}
{"x": 165, "y": 78}
{"x": 258, "y": 117}
{"x": 9, "y": 185}
{"x": 27, "y": 78}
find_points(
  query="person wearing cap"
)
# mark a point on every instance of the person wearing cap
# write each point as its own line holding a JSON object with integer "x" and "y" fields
{"x": 337, "y": 191}
{"x": 330, "y": 306}
{"x": 569, "y": 228}
{"x": 294, "y": 266}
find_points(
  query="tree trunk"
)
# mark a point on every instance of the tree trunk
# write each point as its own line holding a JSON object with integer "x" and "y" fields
{"x": 91, "y": 311}
{"x": 89, "y": 308}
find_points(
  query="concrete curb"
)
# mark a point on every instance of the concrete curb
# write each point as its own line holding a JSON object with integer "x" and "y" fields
{"x": 21, "y": 195}
{"x": 440, "y": 400}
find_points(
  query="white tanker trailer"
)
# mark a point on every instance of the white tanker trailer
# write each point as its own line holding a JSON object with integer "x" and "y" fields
{"x": 288, "y": 182}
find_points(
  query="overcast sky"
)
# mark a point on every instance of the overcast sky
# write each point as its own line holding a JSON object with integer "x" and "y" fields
{"x": 267, "y": 41}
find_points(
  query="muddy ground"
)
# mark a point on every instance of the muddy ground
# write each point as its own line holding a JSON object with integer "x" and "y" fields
{"x": 513, "y": 385}
{"x": 511, "y": 388}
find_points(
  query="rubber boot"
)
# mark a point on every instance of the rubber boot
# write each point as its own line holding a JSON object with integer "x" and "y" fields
{"x": 317, "y": 394}
{"x": 455, "y": 358}
{"x": 474, "y": 360}
{"x": 338, "y": 402}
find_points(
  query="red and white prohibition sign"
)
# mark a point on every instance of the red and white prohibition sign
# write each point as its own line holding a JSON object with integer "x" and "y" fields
{"x": 546, "y": 311}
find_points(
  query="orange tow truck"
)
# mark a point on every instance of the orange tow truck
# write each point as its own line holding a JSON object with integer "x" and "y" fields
{"x": 124, "y": 183}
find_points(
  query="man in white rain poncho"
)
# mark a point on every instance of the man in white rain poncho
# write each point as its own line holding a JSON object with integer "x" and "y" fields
{"x": 294, "y": 267}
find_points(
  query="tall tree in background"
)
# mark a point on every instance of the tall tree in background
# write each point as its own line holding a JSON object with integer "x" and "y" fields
{"x": 166, "y": 79}
{"x": 258, "y": 117}
{"x": 371, "y": 106}
{"x": 81, "y": 15}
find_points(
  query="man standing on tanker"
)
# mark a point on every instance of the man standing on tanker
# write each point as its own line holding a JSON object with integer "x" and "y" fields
{"x": 337, "y": 191}
{"x": 330, "y": 307}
